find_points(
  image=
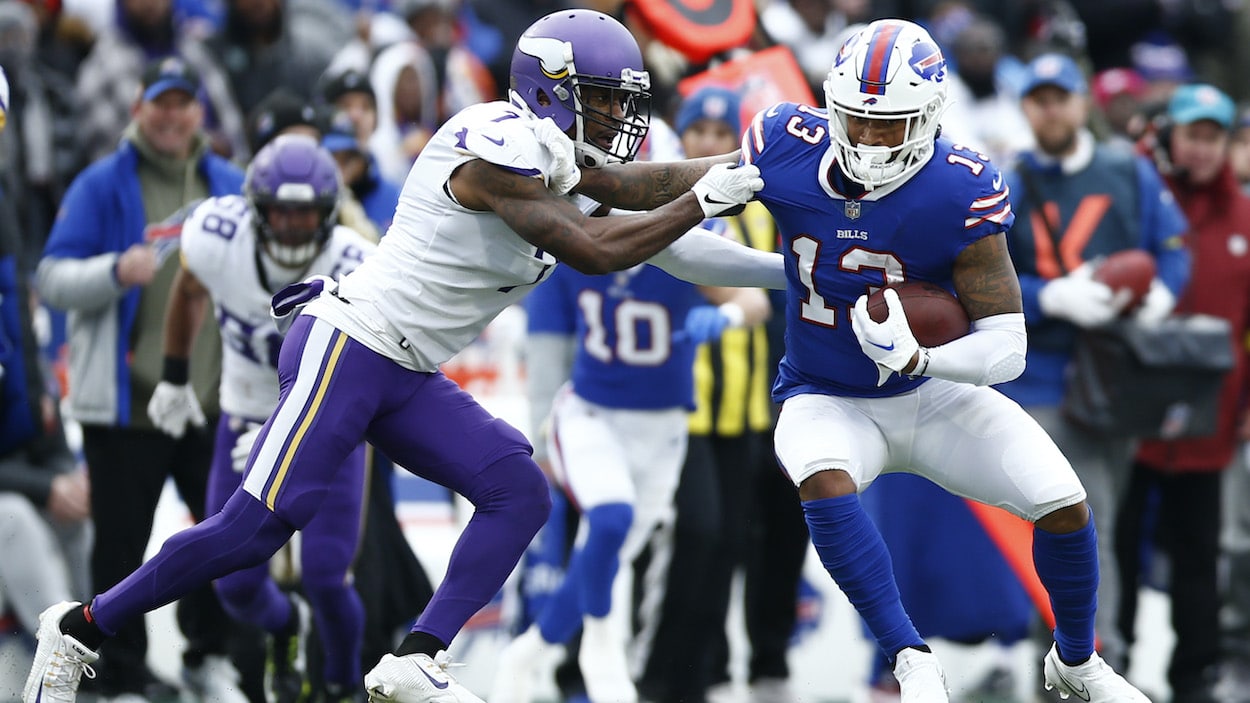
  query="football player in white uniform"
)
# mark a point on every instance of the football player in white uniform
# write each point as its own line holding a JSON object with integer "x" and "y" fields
{"x": 239, "y": 250}
{"x": 484, "y": 215}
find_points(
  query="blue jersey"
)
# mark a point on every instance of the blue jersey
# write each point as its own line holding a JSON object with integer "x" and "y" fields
{"x": 630, "y": 352}
{"x": 841, "y": 243}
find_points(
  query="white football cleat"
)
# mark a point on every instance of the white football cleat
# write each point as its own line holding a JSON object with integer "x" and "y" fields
{"x": 215, "y": 680}
{"x": 60, "y": 660}
{"x": 416, "y": 678}
{"x": 605, "y": 670}
{"x": 1093, "y": 681}
{"x": 920, "y": 677}
{"x": 520, "y": 664}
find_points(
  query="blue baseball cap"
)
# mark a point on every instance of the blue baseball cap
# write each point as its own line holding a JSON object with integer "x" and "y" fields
{"x": 1158, "y": 58}
{"x": 711, "y": 103}
{"x": 169, "y": 73}
{"x": 1199, "y": 101}
{"x": 1053, "y": 69}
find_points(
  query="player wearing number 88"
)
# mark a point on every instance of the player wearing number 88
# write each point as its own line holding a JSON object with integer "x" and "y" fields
{"x": 868, "y": 194}
{"x": 237, "y": 252}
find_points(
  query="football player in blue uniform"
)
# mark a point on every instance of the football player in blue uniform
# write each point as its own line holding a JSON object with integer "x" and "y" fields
{"x": 616, "y": 443}
{"x": 866, "y": 194}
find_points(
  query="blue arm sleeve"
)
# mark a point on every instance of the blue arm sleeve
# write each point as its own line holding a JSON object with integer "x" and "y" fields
{"x": 1163, "y": 228}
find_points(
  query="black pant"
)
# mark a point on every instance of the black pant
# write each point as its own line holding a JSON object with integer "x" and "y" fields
{"x": 128, "y": 469}
{"x": 1187, "y": 525}
{"x": 734, "y": 508}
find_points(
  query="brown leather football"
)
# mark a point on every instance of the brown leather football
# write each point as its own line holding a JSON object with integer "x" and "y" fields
{"x": 935, "y": 316}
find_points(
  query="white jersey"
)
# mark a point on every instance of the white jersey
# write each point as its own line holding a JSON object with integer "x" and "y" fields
{"x": 219, "y": 246}
{"x": 443, "y": 272}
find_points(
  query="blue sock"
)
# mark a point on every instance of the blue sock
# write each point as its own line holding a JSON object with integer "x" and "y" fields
{"x": 1068, "y": 567}
{"x": 855, "y": 556}
{"x": 587, "y": 585}
{"x": 609, "y": 524}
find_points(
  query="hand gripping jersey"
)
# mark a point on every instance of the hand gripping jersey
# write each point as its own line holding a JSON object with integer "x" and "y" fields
{"x": 443, "y": 271}
{"x": 219, "y": 246}
{"x": 841, "y": 243}
{"x": 632, "y": 353}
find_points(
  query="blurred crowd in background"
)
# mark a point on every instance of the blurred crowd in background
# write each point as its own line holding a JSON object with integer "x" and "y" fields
{"x": 75, "y": 65}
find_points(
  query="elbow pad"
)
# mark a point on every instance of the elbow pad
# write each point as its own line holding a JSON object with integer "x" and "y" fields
{"x": 993, "y": 353}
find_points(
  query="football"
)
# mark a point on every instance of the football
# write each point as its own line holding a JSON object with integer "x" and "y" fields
{"x": 934, "y": 315}
{"x": 1131, "y": 269}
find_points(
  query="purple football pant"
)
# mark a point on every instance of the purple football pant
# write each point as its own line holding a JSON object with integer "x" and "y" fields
{"x": 335, "y": 393}
{"x": 327, "y": 550}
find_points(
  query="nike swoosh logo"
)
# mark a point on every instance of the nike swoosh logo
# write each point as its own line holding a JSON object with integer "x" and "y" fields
{"x": 1080, "y": 692}
{"x": 443, "y": 684}
{"x": 883, "y": 347}
{"x": 707, "y": 198}
{"x": 499, "y": 142}
{"x": 998, "y": 180}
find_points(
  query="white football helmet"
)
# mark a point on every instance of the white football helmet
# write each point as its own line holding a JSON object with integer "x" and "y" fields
{"x": 891, "y": 69}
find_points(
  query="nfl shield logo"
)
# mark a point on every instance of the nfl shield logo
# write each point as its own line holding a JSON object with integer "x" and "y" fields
{"x": 851, "y": 207}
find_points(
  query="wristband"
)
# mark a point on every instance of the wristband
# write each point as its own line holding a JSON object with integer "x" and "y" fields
{"x": 922, "y": 364}
{"x": 176, "y": 371}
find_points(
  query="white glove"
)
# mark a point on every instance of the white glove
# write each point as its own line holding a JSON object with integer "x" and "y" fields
{"x": 287, "y": 303}
{"x": 243, "y": 447}
{"x": 173, "y": 407}
{"x": 565, "y": 174}
{"x": 1081, "y": 300}
{"x": 1157, "y": 304}
{"x": 725, "y": 188}
{"x": 890, "y": 344}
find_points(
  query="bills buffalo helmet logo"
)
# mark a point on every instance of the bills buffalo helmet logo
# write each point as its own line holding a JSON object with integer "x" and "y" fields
{"x": 926, "y": 60}
{"x": 848, "y": 48}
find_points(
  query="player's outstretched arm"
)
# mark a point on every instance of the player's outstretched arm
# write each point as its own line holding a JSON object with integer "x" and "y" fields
{"x": 646, "y": 185}
{"x": 601, "y": 244}
{"x": 709, "y": 259}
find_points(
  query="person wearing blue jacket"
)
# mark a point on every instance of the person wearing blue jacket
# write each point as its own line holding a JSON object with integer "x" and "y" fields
{"x": 107, "y": 264}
